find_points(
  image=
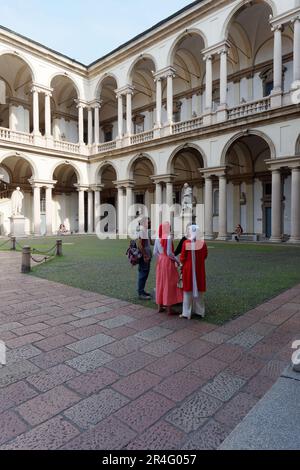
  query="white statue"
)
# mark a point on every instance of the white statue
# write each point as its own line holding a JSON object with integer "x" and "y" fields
{"x": 187, "y": 199}
{"x": 17, "y": 201}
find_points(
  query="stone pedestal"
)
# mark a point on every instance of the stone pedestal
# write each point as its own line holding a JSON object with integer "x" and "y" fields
{"x": 17, "y": 226}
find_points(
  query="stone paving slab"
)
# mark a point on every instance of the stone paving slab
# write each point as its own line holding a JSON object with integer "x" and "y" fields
{"x": 85, "y": 371}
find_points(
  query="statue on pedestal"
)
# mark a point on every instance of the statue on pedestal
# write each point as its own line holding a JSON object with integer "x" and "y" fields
{"x": 187, "y": 199}
{"x": 17, "y": 202}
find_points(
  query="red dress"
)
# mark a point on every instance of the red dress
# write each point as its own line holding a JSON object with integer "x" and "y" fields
{"x": 186, "y": 260}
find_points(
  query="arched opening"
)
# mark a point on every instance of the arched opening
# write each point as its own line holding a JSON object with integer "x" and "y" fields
{"x": 15, "y": 94}
{"x": 185, "y": 165}
{"x": 144, "y": 191}
{"x": 249, "y": 188}
{"x": 143, "y": 99}
{"x": 251, "y": 49}
{"x": 15, "y": 172}
{"x": 108, "y": 110}
{"x": 107, "y": 177}
{"x": 64, "y": 109}
{"x": 187, "y": 60}
{"x": 65, "y": 198}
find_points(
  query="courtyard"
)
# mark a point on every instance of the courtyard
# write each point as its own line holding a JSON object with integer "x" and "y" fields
{"x": 89, "y": 368}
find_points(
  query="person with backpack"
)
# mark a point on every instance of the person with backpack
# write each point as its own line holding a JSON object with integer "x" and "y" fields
{"x": 144, "y": 263}
{"x": 167, "y": 291}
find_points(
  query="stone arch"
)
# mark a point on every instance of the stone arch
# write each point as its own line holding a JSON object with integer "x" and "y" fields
{"x": 172, "y": 49}
{"x": 100, "y": 82}
{"x": 66, "y": 75}
{"x": 71, "y": 164}
{"x": 136, "y": 61}
{"x": 31, "y": 163}
{"x": 102, "y": 167}
{"x": 227, "y": 22}
{"x": 182, "y": 147}
{"x": 249, "y": 132}
{"x": 297, "y": 147}
{"x": 141, "y": 156}
{"x": 21, "y": 57}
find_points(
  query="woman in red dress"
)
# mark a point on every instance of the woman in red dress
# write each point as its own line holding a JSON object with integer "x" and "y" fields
{"x": 193, "y": 256}
{"x": 167, "y": 292}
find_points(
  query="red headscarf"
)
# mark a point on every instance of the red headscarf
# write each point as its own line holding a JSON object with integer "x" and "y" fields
{"x": 164, "y": 233}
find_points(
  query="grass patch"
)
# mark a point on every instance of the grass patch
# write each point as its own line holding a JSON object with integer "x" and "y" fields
{"x": 239, "y": 276}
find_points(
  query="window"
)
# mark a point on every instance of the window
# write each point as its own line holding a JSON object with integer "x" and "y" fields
{"x": 108, "y": 133}
{"x": 138, "y": 121}
{"x": 177, "y": 111}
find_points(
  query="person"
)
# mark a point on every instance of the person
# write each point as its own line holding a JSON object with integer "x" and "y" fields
{"x": 144, "y": 245}
{"x": 192, "y": 258}
{"x": 238, "y": 231}
{"x": 62, "y": 229}
{"x": 167, "y": 291}
{"x": 180, "y": 244}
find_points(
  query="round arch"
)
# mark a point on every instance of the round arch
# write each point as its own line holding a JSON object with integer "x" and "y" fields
{"x": 171, "y": 53}
{"x": 67, "y": 76}
{"x": 136, "y": 61}
{"x": 75, "y": 168}
{"x": 20, "y": 56}
{"x": 297, "y": 147}
{"x": 101, "y": 168}
{"x": 249, "y": 132}
{"x": 31, "y": 163}
{"x": 226, "y": 25}
{"x": 183, "y": 147}
{"x": 141, "y": 156}
{"x": 101, "y": 80}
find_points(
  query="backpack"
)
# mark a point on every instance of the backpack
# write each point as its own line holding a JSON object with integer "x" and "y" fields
{"x": 133, "y": 253}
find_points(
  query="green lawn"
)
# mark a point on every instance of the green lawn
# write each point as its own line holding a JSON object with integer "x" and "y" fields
{"x": 239, "y": 276}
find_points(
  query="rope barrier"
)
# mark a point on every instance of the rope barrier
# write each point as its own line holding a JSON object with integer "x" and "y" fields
{"x": 40, "y": 252}
{"x": 44, "y": 259}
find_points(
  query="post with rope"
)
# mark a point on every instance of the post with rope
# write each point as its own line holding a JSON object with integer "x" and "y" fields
{"x": 13, "y": 244}
{"x": 59, "y": 248}
{"x": 26, "y": 258}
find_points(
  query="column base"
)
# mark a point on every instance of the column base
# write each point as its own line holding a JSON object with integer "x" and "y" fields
{"x": 294, "y": 240}
{"x": 207, "y": 117}
{"x": 276, "y": 240}
{"x": 166, "y": 130}
{"x": 222, "y": 237}
{"x": 209, "y": 237}
{"x": 157, "y": 132}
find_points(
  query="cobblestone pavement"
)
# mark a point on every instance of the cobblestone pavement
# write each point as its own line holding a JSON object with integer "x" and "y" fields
{"x": 85, "y": 371}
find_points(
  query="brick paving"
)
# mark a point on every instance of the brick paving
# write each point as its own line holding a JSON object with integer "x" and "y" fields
{"x": 85, "y": 371}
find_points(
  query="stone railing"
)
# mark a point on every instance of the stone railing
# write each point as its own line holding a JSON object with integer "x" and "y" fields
{"x": 247, "y": 109}
{"x": 184, "y": 126}
{"x": 16, "y": 136}
{"x": 106, "y": 146}
{"x": 66, "y": 146}
{"x": 142, "y": 137}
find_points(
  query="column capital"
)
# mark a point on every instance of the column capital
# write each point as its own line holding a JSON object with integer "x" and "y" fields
{"x": 97, "y": 187}
{"x": 36, "y": 87}
{"x": 167, "y": 178}
{"x": 121, "y": 184}
{"x": 125, "y": 90}
{"x": 81, "y": 187}
{"x": 277, "y": 27}
{"x": 81, "y": 103}
{"x": 214, "y": 171}
{"x": 42, "y": 183}
{"x": 95, "y": 104}
{"x": 219, "y": 48}
{"x": 164, "y": 73}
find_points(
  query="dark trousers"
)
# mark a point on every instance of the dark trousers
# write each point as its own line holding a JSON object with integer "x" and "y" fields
{"x": 143, "y": 273}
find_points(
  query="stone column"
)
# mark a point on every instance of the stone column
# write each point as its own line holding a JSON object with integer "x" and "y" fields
{"x": 80, "y": 124}
{"x": 90, "y": 212}
{"x": 208, "y": 208}
{"x": 170, "y": 77}
{"x": 276, "y": 207}
{"x": 250, "y": 206}
{"x": 129, "y": 112}
{"x": 97, "y": 123}
{"x": 223, "y": 77}
{"x": 48, "y": 114}
{"x": 36, "y": 113}
{"x": 120, "y": 115}
{"x": 208, "y": 82}
{"x": 37, "y": 209}
{"x": 129, "y": 203}
{"x": 49, "y": 229}
{"x": 158, "y": 102}
{"x": 223, "y": 234}
{"x": 169, "y": 194}
{"x": 121, "y": 211}
{"x": 236, "y": 205}
{"x": 295, "y": 206}
{"x": 90, "y": 126}
{"x": 277, "y": 59}
{"x": 97, "y": 208}
{"x": 296, "y": 74}
{"x": 81, "y": 210}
